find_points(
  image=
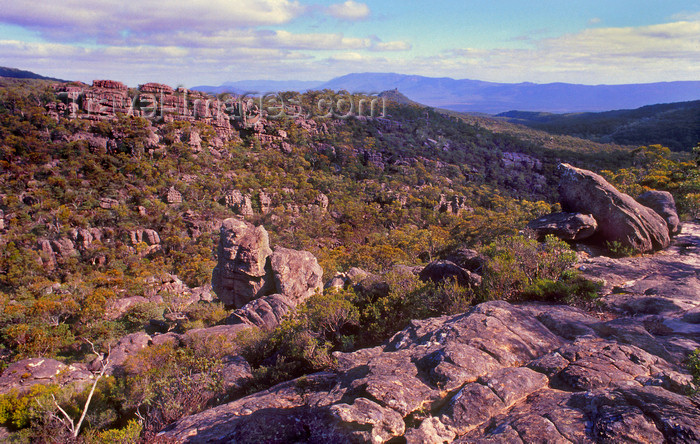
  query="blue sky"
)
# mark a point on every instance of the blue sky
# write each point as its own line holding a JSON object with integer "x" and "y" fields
{"x": 212, "y": 41}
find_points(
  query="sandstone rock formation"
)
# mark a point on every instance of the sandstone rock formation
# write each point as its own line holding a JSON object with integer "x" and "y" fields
{"x": 24, "y": 374}
{"x": 296, "y": 274}
{"x": 498, "y": 373}
{"x": 241, "y": 274}
{"x": 661, "y": 292}
{"x": 662, "y": 202}
{"x": 248, "y": 269}
{"x": 620, "y": 218}
{"x": 566, "y": 226}
{"x": 173, "y": 196}
{"x": 468, "y": 259}
{"x": 266, "y": 312}
{"x": 125, "y": 347}
{"x": 239, "y": 203}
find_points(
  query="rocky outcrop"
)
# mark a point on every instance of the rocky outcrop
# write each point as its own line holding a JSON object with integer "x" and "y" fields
{"x": 498, "y": 373}
{"x": 107, "y": 203}
{"x": 662, "y": 202}
{"x": 148, "y": 236}
{"x": 248, "y": 269}
{"x": 351, "y": 277}
{"x": 173, "y": 196}
{"x": 239, "y": 203}
{"x": 620, "y": 218}
{"x": 84, "y": 237}
{"x": 266, "y": 312}
{"x": 296, "y": 274}
{"x": 55, "y": 251}
{"x": 454, "y": 205}
{"x": 22, "y": 375}
{"x": 519, "y": 160}
{"x": 566, "y": 226}
{"x": 661, "y": 292}
{"x": 241, "y": 274}
{"x": 468, "y": 259}
{"x": 119, "y": 352}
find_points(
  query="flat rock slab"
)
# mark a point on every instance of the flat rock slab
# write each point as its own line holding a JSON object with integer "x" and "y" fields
{"x": 498, "y": 373}
{"x": 666, "y": 283}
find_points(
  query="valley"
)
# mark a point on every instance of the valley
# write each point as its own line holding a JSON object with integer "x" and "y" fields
{"x": 196, "y": 258}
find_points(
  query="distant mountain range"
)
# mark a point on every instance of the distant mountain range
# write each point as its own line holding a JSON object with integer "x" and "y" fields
{"x": 472, "y": 96}
{"x": 675, "y": 125}
{"x": 488, "y": 97}
{"x": 260, "y": 86}
{"x": 22, "y": 74}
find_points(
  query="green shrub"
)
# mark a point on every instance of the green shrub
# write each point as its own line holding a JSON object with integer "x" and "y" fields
{"x": 616, "y": 249}
{"x": 694, "y": 366}
{"x": 303, "y": 342}
{"x": 138, "y": 315}
{"x": 389, "y": 304}
{"x": 515, "y": 263}
{"x": 204, "y": 314}
{"x": 165, "y": 383}
{"x": 129, "y": 434}
{"x": 572, "y": 288}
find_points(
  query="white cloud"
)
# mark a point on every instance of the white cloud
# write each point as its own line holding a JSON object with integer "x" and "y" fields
{"x": 594, "y": 21}
{"x": 686, "y": 16}
{"x": 350, "y": 10}
{"x": 669, "y": 51}
{"x": 105, "y": 20}
{"x": 202, "y": 55}
{"x": 249, "y": 38}
{"x": 398, "y": 45}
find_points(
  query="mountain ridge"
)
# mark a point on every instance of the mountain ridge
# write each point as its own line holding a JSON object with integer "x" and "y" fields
{"x": 468, "y": 95}
{"x": 17, "y": 73}
{"x": 675, "y": 125}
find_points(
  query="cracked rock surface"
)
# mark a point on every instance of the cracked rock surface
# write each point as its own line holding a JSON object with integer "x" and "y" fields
{"x": 503, "y": 373}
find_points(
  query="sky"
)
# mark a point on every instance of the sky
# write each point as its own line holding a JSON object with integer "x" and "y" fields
{"x": 209, "y": 42}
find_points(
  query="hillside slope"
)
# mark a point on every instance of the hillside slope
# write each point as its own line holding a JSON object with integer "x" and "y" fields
{"x": 22, "y": 74}
{"x": 112, "y": 204}
{"x": 675, "y": 125}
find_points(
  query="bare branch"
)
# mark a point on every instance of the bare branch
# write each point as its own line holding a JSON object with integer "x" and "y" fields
{"x": 66, "y": 416}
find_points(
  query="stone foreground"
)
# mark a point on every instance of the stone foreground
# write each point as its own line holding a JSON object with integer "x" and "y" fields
{"x": 498, "y": 373}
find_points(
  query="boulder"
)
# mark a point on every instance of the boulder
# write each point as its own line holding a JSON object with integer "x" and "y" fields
{"x": 236, "y": 372}
{"x": 249, "y": 270}
{"x": 662, "y": 202}
{"x": 125, "y": 347}
{"x": 266, "y": 312}
{"x": 297, "y": 274}
{"x": 64, "y": 247}
{"x": 241, "y": 274}
{"x": 24, "y": 374}
{"x": 337, "y": 282}
{"x": 470, "y": 260}
{"x": 440, "y": 271}
{"x": 117, "y": 307}
{"x": 215, "y": 333}
{"x": 565, "y": 226}
{"x": 620, "y": 218}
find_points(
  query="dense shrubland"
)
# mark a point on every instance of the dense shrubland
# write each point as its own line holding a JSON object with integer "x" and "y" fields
{"x": 385, "y": 186}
